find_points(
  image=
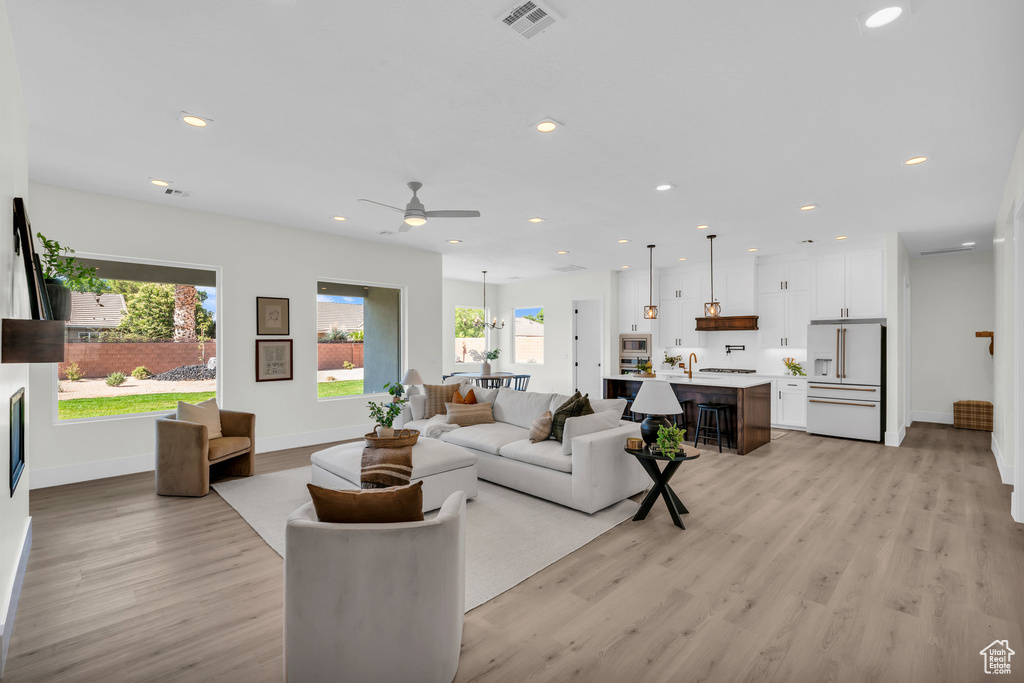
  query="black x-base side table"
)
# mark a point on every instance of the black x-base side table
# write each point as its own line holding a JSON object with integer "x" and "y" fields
{"x": 661, "y": 478}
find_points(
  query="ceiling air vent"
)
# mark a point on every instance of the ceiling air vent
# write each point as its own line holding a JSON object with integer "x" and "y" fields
{"x": 950, "y": 250}
{"x": 529, "y": 19}
{"x": 386, "y": 232}
{"x": 177, "y": 193}
{"x": 569, "y": 269}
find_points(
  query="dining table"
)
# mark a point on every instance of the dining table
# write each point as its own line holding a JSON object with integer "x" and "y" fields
{"x": 491, "y": 380}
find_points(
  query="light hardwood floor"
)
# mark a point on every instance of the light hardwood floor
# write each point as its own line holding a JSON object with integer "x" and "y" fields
{"x": 809, "y": 559}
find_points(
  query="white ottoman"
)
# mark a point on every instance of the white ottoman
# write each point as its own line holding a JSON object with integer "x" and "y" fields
{"x": 443, "y": 468}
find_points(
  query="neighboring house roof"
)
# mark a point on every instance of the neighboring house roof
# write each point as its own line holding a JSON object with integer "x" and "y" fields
{"x": 341, "y": 316}
{"x": 529, "y": 328}
{"x": 103, "y": 311}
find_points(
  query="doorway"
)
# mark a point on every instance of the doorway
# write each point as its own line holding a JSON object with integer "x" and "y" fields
{"x": 587, "y": 347}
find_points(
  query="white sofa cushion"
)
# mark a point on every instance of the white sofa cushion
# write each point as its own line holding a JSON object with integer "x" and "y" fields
{"x": 520, "y": 408}
{"x": 482, "y": 394}
{"x": 556, "y": 402}
{"x": 418, "y": 406}
{"x": 587, "y": 424}
{"x": 616, "y": 405}
{"x": 547, "y": 454}
{"x": 488, "y": 438}
{"x": 418, "y": 424}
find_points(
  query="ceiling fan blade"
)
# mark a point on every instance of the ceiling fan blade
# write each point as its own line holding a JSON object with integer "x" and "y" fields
{"x": 404, "y": 227}
{"x": 386, "y": 206}
{"x": 453, "y": 214}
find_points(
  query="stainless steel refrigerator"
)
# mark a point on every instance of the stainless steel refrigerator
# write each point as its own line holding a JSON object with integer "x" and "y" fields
{"x": 846, "y": 380}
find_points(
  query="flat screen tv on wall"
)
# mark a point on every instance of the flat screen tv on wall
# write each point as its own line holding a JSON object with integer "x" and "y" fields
{"x": 17, "y": 437}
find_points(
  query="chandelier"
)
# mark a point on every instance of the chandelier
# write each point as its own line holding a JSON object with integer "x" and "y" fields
{"x": 493, "y": 325}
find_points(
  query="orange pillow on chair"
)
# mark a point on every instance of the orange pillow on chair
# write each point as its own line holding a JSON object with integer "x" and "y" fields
{"x": 468, "y": 399}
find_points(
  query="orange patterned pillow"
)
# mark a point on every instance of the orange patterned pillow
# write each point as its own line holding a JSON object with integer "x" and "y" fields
{"x": 468, "y": 399}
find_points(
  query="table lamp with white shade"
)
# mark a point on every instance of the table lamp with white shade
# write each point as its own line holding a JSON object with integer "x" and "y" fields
{"x": 656, "y": 399}
{"x": 412, "y": 380}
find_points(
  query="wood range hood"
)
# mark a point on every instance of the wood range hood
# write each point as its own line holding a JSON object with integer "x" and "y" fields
{"x": 727, "y": 323}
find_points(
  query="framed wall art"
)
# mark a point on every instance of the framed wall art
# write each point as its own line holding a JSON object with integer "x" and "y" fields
{"x": 273, "y": 360}
{"x": 271, "y": 316}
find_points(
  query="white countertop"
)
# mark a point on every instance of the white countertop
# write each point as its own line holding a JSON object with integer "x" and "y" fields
{"x": 766, "y": 375}
{"x": 719, "y": 380}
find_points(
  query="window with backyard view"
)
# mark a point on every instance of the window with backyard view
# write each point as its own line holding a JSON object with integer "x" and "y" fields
{"x": 470, "y": 342}
{"x": 529, "y": 334}
{"x": 358, "y": 330}
{"x": 143, "y": 338}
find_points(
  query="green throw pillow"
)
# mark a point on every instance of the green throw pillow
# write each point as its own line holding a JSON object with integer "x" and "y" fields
{"x": 576, "y": 406}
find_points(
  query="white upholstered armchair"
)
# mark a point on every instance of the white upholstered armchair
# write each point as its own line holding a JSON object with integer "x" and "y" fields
{"x": 375, "y": 602}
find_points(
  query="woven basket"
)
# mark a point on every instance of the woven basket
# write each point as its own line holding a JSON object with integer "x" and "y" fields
{"x": 405, "y": 437}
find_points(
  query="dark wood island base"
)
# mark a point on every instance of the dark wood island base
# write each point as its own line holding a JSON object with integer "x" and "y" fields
{"x": 750, "y": 426}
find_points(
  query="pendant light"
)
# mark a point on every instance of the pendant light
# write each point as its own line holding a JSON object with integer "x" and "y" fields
{"x": 712, "y": 309}
{"x": 493, "y": 325}
{"x": 650, "y": 310}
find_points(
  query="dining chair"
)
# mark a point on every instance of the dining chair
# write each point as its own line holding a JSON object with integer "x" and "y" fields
{"x": 521, "y": 382}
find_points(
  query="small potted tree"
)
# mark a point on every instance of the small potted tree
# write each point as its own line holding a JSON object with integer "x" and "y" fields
{"x": 385, "y": 412}
{"x": 62, "y": 273}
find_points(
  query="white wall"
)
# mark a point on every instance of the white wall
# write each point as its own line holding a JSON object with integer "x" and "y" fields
{"x": 897, "y": 275}
{"x": 14, "y": 518}
{"x": 256, "y": 259}
{"x": 951, "y": 298}
{"x": 1008, "y": 299}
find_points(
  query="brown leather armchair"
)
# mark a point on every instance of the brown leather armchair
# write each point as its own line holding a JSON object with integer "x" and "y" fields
{"x": 185, "y": 454}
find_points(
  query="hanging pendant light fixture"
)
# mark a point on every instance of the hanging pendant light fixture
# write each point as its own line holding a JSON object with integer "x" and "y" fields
{"x": 650, "y": 310}
{"x": 493, "y": 325}
{"x": 712, "y": 309}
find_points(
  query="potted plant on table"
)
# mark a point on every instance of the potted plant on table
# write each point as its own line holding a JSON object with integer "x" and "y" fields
{"x": 794, "y": 367}
{"x": 644, "y": 368}
{"x": 486, "y": 357}
{"x": 62, "y": 273}
{"x": 670, "y": 440}
{"x": 672, "y": 361}
{"x": 385, "y": 412}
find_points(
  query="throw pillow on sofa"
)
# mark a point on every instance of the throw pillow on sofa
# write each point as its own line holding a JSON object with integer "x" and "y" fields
{"x": 575, "y": 407}
{"x": 540, "y": 430}
{"x": 369, "y": 506}
{"x": 587, "y": 424}
{"x": 437, "y": 396}
{"x": 468, "y": 399}
{"x": 469, "y": 415}
{"x": 205, "y": 413}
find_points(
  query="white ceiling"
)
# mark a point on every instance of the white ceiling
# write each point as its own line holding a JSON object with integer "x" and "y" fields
{"x": 749, "y": 108}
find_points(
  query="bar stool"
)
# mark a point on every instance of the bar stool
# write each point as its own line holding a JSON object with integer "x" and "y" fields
{"x": 704, "y": 428}
{"x": 629, "y": 408}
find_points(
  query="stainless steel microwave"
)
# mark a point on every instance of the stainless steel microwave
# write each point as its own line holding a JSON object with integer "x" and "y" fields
{"x": 634, "y": 345}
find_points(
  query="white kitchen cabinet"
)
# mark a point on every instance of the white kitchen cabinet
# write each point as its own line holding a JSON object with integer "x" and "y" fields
{"x": 783, "y": 276}
{"x": 677, "y": 322}
{"x": 734, "y": 289}
{"x": 782, "y": 319}
{"x": 633, "y": 296}
{"x": 850, "y": 285}
{"x": 792, "y": 402}
{"x": 679, "y": 284}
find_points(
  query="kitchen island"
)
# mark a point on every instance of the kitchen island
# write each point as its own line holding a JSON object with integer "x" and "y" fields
{"x": 750, "y": 397}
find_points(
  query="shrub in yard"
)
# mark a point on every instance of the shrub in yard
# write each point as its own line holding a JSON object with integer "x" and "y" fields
{"x": 141, "y": 372}
{"x": 116, "y": 379}
{"x": 355, "y": 335}
{"x": 347, "y": 365}
{"x": 330, "y": 378}
{"x": 73, "y": 372}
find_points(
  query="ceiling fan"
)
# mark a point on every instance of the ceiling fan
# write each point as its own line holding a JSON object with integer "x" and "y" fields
{"x": 416, "y": 215}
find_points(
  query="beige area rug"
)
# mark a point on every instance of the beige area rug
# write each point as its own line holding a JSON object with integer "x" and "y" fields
{"x": 779, "y": 433}
{"x": 510, "y": 536}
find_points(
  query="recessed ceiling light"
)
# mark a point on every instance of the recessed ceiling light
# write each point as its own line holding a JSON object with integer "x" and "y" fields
{"x": 160, "y": 183}
{"x": 703, "y": 227}
{"x": 808, "y": 207}
{"x": 663, "y": 187}
{"x": 340, "y": 218}
{"x": 915, "y": 161}
{"x": 883, "y": 17}
{"x": 623, "y": 241}
{"x": 841, "y": 237}
{"x": 967, "y": 244}
{"x": 682, "y": 258}
{"x": 454, "y": 241}
{"x": 535, "y": 219}
{"x": 752, "y": 249}
{"x": 625, "y": 266}
{"x": 563, "y": 252}
{"x": 547, "y": 125}
{"x": 194, "y": 121}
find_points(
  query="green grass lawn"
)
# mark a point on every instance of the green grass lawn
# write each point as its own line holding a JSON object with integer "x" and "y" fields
{"x": 123, "y": 405}
{"x": 347, "y": 387}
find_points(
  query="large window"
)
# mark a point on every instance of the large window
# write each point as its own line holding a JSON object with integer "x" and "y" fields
{"x": 529, "y": 335}
{"x": 358, "y": 331}
{"x": 470, "y": 340}
{"x": 145, "y": 342}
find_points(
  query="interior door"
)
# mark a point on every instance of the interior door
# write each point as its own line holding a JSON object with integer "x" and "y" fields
{"x": 587, "y": 347}
{"x": 862, "y": 354}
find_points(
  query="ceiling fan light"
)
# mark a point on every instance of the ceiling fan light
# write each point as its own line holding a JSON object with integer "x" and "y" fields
{"x": 415, "y": 221}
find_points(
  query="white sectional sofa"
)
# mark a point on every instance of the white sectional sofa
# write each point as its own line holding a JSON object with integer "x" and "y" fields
{"x": 588, "y": 472}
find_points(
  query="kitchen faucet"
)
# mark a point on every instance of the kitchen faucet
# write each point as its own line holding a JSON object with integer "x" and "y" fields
{"x": 690, "y": 361}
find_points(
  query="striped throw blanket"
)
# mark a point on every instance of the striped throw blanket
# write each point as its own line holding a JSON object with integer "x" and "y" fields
{"x": 383, "y": 467}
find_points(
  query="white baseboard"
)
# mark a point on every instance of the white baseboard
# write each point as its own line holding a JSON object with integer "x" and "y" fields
{"x": 1005, "y": 470}
{"x": 894, "y": 439}
{"x": 101, "y": 469}
{"x": 7, "y": 624}
{"x": 936, "y": 418}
